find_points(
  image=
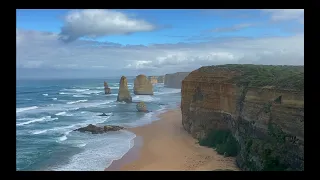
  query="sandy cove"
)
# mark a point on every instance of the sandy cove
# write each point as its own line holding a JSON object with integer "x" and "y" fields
{"x": 165, "y": 145}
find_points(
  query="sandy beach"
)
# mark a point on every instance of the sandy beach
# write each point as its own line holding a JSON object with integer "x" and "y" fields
{"x": 165, "y": 145}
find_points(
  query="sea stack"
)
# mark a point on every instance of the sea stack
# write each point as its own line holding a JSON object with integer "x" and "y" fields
{"x": 153, "y": 79}
{"x": 107, "y": 90}
{"x": 124, "y": 94}
{"x": 142, "y": 86}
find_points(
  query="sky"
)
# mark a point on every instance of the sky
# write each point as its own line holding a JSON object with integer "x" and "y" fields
{"x": 90, "y": 43}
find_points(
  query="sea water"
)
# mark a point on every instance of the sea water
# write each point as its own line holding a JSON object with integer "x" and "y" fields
{"x": 48, "y": 111}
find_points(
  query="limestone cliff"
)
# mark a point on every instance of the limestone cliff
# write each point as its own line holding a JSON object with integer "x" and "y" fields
{"x": 262, "y": 106}
{"x": 174, "y": 80}
{"x": 142, "y": 86}
{"x": 153, "y": 79}
{"x": 124, "y": 93}
{"x": 107, "y": 90}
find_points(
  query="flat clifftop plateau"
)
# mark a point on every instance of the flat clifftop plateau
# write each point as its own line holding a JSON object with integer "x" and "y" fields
{"x": 261, "y": 107}
{"x": 174, "y": 80}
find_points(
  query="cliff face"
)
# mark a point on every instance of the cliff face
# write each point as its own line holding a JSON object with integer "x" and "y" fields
{"x": 153, "y": 79}
{"x": 124, "y": 93}
{"x": 174, "y": 80}
{"x": 142, "y": 86}
{"x": 267, "y": 122}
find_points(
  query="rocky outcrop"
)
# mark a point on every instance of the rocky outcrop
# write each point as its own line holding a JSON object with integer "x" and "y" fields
{"x": 124, "y": 93}
{"x": 174, "y": 80}
{"x": 262, "y": 107}
{"x": 153, "y": 79}
{"x": 98, "y": 130}
{"x": 141, "y": 107}
{"x": 107, "y": 90}
{"x": 142, "y": 86}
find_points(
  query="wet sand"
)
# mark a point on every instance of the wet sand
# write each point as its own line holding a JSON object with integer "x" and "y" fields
{"x": 165, "y": 145}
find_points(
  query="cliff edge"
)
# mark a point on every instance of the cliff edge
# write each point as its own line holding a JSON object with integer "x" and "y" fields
{"x": 174, "y": 80}
{"x": 261, "y": 107}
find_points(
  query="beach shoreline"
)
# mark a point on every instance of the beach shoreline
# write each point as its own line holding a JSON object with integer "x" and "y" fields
{"x": 165, "y": 145}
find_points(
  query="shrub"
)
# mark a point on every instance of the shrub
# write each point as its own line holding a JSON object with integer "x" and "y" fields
{"x": 222, "y": 141}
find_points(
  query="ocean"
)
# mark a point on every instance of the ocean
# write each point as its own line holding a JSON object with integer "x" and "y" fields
{"x": 47, "y": 112}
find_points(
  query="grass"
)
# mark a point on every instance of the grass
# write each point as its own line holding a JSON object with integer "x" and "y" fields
{"x": 280, "y": 77}
{"x": 223, "y": 142}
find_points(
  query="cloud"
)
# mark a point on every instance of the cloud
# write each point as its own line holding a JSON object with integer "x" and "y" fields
{"x": 286, "y": 14}
{"x": 234, "y": 28}
{"x": 40, "y": 50}
{"x": 91, "y": 23}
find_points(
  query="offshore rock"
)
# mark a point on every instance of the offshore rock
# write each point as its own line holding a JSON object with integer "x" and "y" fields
{"x": 124, "y": 93}
{"x": 142, "y": 86}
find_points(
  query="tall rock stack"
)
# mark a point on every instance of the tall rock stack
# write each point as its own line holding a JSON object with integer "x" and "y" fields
{"x": 124, "y": 93}
{"x": 107, "y": 90}
{"x": 153, "y": 79}
{"x": 142, "y": 86}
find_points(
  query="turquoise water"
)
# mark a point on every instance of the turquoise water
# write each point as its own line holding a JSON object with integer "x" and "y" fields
{"x": 49, "y": 110}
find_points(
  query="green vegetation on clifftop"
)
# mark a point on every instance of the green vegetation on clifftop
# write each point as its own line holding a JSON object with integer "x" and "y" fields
{"x": 280, "y": 77}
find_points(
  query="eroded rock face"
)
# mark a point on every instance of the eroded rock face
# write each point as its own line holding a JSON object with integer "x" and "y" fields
{"x": 98, "y": 130}
{"x": 266, "y": 122}
{"x": 124, "y": 93}
{"x": 174, "y": 80}
{"x": 141, "y": 107}
{"x": 107, "y": 90}
{"x": 142, "y": 86}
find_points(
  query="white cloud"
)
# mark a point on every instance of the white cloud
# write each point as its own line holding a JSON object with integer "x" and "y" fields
{"x": 43, "y": 51}
{"x": 94, "y": 23}
{"x": 286, "y": 14}
{"x": 236, "y": 27}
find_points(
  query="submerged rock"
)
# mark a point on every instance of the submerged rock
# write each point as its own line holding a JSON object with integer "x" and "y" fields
{"x": 103, "y": 114}
{"x": 142, "y": 86}
{"x": 124, "y": 93}
{"x": 98, "y": 130}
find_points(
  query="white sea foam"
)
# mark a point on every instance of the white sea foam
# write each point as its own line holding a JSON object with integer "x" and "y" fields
{"x": 77, "y": 90}
{"x": 66, "y": 93}
{"x": 64, "y": 137}
{"x": 34, "y": 120}
{"x": 39, "y": 131}
{"x": 79, "y": 95}
{"x": 145, "y": 98}
{"x": 114, "y": 87}
{"x": 54, "y": 99}
{"x": 99, "y": 152}
{"x": 61, "y": 113}
{"x": 45, "y": 94}
{"x": 92, "y": 92}
{"x": 79, "y": 101}
{"x": 81, "y": 145}
{"x": 18, "y": 110}
{"x": 146, "y": 119}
